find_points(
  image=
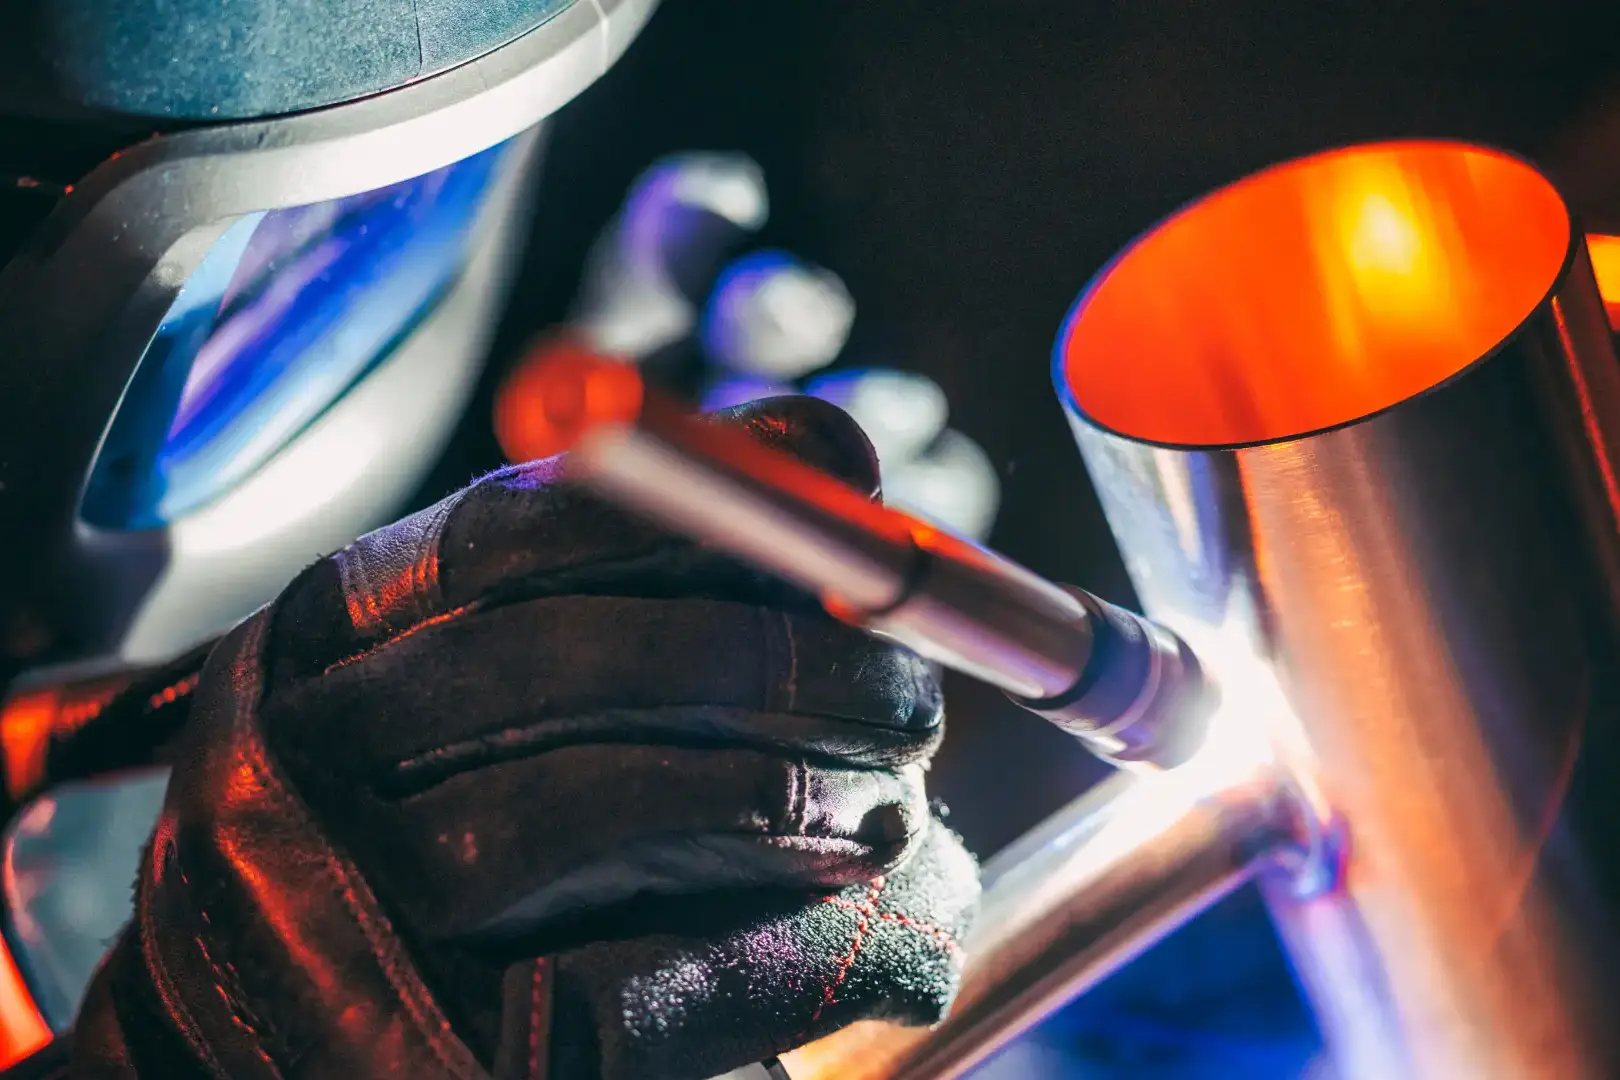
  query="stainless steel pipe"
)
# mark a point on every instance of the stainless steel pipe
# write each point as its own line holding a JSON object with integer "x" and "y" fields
{"x": 1122, "y": 875}
{"x": 1095, "y": 886}
{"x": 1354, "y": 422}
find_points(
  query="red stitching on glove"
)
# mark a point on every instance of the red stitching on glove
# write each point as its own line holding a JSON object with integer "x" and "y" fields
{"x": 868, "y": 910}
{"x": 536, "y": 1018}
{"x": 236, "y": 1004}
{"x": 943, "y": 936}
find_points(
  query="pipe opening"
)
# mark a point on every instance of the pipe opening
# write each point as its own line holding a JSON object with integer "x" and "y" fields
{"x": 1314, "y": 294}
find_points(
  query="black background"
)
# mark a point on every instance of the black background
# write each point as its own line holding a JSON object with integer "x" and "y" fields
{"x": 966, "y": 166}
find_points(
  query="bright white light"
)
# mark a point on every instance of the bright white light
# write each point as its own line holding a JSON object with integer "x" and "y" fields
{"x": 1242, "y": 734}
{"x": 304, "y": 481}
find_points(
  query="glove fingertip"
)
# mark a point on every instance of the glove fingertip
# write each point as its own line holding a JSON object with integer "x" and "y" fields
{"x": 816, "y": 432}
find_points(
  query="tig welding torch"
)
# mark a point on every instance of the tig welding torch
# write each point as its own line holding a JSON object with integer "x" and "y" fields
{"x": 1128, "y": 688}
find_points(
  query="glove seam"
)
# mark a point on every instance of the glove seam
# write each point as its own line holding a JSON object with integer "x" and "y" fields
{"x": 232, "y": 996}
{"x": 938, "y": 933}
{"x": 161, "y": 977}
{"x": 370, "y": 612}
{"x": 867, "y": 909}
{"x": 411, "y": 630}
{"x": 801, "y": 811}
{"x": 643, "y": 574}
{"x": 539, "y": 999}
{"x": 365, "y": 613}
{"x": 361, "y": 906}
{"x": 429, "y": 593}
{"x": 350, "y": 892}
{"x": 145, "y": 1038}
{"x": 504, "y": 745}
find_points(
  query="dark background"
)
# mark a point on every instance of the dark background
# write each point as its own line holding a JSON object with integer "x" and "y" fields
{"x": 966, "y": 166}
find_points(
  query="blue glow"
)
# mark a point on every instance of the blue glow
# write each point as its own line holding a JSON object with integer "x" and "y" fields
{"x": 284, "y": 314}
{"x": 1214, "y": 1001}
{"x": 838, "y": 386}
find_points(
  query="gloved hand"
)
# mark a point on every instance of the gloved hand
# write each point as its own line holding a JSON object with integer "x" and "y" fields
{"x": 521, "y": 783}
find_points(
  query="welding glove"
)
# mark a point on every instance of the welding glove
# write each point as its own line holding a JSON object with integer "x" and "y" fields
{"x": 521, "y": 787}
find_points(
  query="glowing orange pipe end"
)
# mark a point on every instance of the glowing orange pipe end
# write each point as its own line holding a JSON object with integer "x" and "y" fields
{"x": 557, "y": 393}
{"x": 1314, "y": 294}
{"x": 1605, "y": 254}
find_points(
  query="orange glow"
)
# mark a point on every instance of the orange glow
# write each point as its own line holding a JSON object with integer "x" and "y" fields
{"x": 25, "y": 735}
{"x": 866, "y": 1050}
{"x": 556, "y": 393}
{"x": 22, "y": 1029}
{"x": 1315, "y": 293}
{"x": 1605, "y": 253}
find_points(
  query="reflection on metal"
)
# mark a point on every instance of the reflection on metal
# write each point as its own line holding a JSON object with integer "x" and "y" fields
{"x": 1605, "y": 253}
{"x": 1435, "y": 581}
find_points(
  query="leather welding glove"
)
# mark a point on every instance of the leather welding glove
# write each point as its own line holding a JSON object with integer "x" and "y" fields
{"x": 521, "y": 784}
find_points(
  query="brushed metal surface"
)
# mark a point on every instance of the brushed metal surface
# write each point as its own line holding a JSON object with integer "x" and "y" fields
{"x": 1435, "y": 589}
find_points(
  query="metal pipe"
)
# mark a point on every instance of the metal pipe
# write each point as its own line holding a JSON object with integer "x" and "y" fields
{"x": 1125, "y": 875}
{"x": 1355, "y": 418}
{"x": 1099, "y": 883}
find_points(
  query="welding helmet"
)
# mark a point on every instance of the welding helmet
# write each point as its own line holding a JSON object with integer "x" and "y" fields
{"x": 251, "y": 253}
